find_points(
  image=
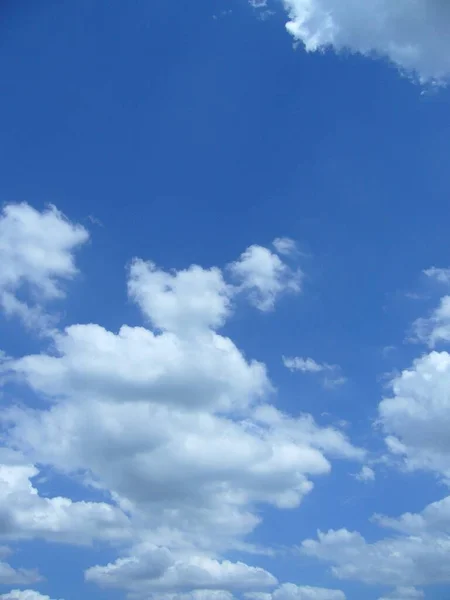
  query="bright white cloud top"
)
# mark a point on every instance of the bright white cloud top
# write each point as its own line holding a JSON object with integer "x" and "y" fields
{"x": 412, "y": 34}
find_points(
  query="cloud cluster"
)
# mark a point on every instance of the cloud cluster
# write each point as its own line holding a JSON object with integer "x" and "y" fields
{"x": 413, "y": 35}
{"x": 171, "y": 420}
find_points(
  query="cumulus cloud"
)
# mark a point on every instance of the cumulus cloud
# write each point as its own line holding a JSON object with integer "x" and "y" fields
{"x": 193, "y": 299}
{"x": 24, "y": 514}
{"x": 37, "y": 254}
{"x": 175, "y": 424}
{"x": 416, "y": 417}
{"x": 263, "y": 276}
{"x": 412, "y": 35}
{"x": 290, "y": 591}
{"x": 416, "y": 555}
{"x": 154, "y": 569}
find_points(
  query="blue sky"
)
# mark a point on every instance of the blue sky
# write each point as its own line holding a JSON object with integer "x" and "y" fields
{"x": 224, "y": 295}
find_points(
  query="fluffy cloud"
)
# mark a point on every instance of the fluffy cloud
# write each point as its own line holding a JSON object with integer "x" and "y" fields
{"x": 190, "y": 300}
{"x": 416, "y": 418}
{"x": 411, "y": 34}
{"x": 151, "y": 569}
{"x": 26, "y": 515}
{"x": 36, "y": 254}
{"x": 174, "y": 422}
{"x": 23, "y": 595}
{"x": 137, "y": 365}
{"x": 263, "y": 276}
{"x": 289, "y": 591}
{"x": 417, "y": 555}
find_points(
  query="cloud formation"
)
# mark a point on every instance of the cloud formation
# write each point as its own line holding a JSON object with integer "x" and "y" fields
{"x": 172, "y": 422}
{"x": 37, "y": 255}
{"x": 416, "y": 555}
{"x": 411, "y": 35}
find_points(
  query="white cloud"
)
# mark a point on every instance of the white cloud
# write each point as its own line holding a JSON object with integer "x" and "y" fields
{"x": 416, "y": 418}
{"x": 36, "y": 254}
{"x": 366, "y": 474}
{"x": 264, "y": 277}
{"x": 11, "y": 576}
{"x": 404, "y": 593}
{"x": 436, "y": 327}
{"x": 332, "y": 377}
{"x": 151, "y": 569}
{"x": 23, "y": 595}
{"x": 440, "y": 275}
{"x": 416, "y": 555}
{"x": 411, "y": 34}
{"x": 137, "y": 365}
{"x": 289, "y": 591}
{"x": 174, "y": 423}
{"x": 285, "y": 246}
{"x": 191, "y": 300}
{"x": 24, "y": 514}
{"x": 306, "y": 365}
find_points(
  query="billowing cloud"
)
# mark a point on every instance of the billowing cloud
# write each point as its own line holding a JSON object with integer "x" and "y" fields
{"x": 413, "y": 35}
{"x": 416, "y": 417}
{"x": 151, "y": 569}
{"x": 172, "y": 422}
{"x": 24, "y": 514}
{"x": 417, "y": 555}
{"x": 37, "y": 255}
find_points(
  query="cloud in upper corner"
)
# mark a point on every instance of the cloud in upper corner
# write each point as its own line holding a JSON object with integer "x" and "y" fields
{"x": 414, "y": 36}
{"x": 332, "y": 377}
